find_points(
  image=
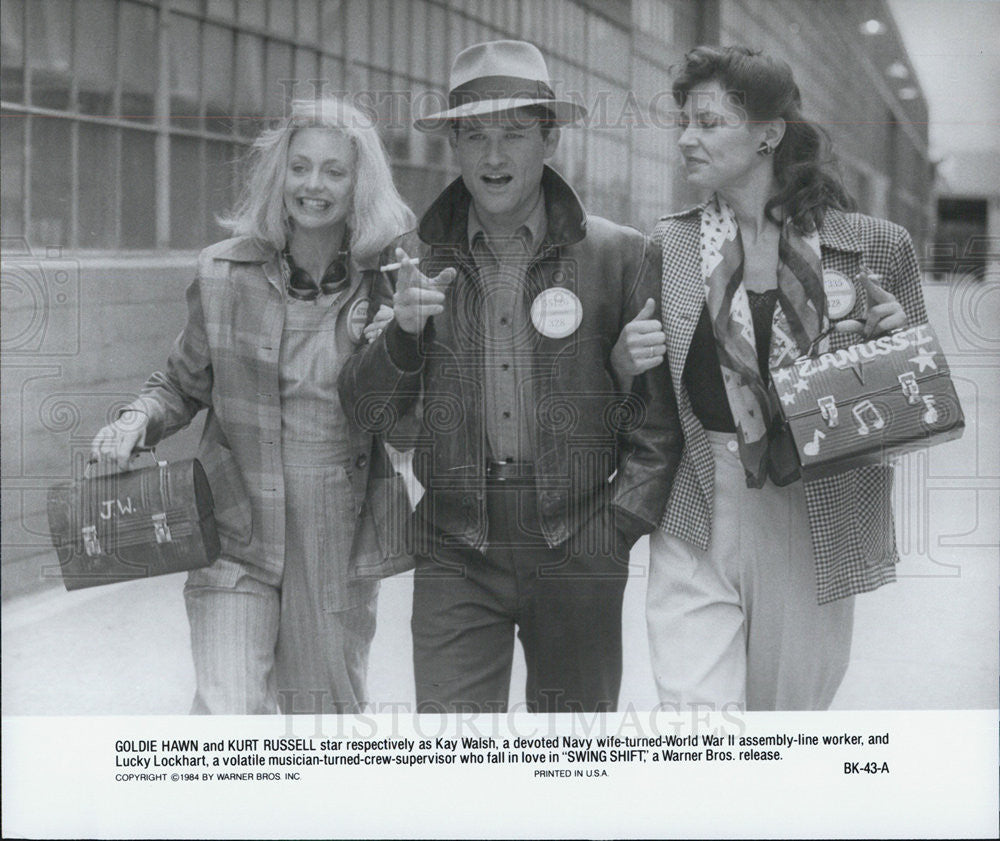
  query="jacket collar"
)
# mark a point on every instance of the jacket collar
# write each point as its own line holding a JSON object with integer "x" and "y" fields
{"x": 253, "y": 250}
{"x": 692, "y": 211}
{"x": 245, "y": 250}
{"x": 446, "y": 221}
{"x": 838, "y": 233}
{"x": 260, "y": 252}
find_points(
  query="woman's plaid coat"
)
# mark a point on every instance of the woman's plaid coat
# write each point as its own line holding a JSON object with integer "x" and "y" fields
{"x": 850, "y": 515}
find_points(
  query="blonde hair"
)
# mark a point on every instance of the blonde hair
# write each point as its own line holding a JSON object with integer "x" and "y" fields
{"x": 378, "y": 213}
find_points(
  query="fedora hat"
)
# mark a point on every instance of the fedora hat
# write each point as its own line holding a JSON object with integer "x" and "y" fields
{"x": 498, "y": 76}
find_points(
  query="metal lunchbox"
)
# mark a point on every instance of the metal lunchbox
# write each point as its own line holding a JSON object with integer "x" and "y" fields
{"x": 857, "y": 405}
{"x": 131, "y": 525}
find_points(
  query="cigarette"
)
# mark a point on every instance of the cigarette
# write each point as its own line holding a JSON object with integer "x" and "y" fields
{"x": 394, "y": 266}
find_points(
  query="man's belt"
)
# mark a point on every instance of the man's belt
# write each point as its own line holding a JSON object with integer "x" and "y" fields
{"x": 522, "y": 472}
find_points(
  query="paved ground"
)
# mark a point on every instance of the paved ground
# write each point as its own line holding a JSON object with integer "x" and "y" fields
{"x": 929, "y": 641}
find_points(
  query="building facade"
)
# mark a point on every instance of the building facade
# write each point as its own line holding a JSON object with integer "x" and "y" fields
{"x": 123, "y": 123}
{"x": 123, "y": 120}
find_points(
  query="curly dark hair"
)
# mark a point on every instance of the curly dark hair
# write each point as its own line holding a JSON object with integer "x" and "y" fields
{"x": 808, "y": 179}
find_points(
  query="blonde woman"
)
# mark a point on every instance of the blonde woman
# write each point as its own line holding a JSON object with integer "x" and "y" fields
{"x": 286, "y": 616}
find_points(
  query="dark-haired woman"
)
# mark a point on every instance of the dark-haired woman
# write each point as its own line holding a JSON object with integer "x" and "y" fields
{"x": 753, "y": 572}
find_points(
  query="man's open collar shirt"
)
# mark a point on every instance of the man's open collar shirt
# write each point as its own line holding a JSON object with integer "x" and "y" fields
{"x": 502, "y": 267}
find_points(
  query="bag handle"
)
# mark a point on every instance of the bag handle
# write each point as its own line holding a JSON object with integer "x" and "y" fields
{"x": 136, "y": 452}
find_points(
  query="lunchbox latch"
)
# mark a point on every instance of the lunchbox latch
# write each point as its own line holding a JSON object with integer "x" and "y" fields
{"x": 828, "y": 408}
{"x": 91, "y": 545}
{"x": 908, "y": 382}
{"x": 161, "y": 529}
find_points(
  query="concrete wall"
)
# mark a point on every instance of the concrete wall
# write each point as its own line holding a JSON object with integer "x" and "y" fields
{"x": 66, "y": 367}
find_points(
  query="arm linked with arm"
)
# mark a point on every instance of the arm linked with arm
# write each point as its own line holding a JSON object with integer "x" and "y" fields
{"x": 651, "y": 434}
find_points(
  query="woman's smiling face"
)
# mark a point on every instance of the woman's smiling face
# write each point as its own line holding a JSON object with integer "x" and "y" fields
{"x": 718, "y": 141}
{"x": 319, "y": 179}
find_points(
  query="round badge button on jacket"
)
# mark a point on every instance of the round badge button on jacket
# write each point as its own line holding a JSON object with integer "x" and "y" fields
{"x": 840, "y": 293}
{"x": 556, "y": 313}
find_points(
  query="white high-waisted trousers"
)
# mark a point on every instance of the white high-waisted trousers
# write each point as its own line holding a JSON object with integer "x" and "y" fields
{"x": 738, "y": 625}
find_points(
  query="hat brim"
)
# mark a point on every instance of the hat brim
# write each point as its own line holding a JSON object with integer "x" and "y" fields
{"x": 564, "y": 112}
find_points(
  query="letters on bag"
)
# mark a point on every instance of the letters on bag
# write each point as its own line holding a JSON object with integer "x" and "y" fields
{"x": 860, "y": 404}
{"x": 124, "y": 526}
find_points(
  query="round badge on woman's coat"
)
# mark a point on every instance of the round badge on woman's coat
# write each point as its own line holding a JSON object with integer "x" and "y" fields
{"x": 357, "y": 318}
{"x": 840, "y": 293}
{"x": 556, "y": 313}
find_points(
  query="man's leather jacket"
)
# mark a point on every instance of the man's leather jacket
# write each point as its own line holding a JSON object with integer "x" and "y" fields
{"x": 592, "y": 441}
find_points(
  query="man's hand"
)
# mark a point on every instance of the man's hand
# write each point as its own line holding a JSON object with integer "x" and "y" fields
{"x": 417, "y": 296}
{"x": 884, "y": 315}
{"x": 641, "y": 345}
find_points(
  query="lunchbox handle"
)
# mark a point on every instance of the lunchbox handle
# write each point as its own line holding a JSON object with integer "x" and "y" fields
{"x": 136, "y": 451}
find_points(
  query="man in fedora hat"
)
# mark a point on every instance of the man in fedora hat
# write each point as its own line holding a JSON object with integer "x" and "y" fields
{"x": 540, "y": 469}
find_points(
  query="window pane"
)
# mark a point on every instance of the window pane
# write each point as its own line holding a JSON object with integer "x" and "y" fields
{"x": 418, "y": 23}
{"x": 282, "y": 18}
{"x": 217, "y": 74}
{"x": 12, "y": 165}
{"x": 332, "y": 27}
{"x": 249, "y": 83}
{"x": 507, "y": 15}
{"x": 280, "y": 79}
{"x": 607, "y": 45}
{"x": 221, "y": 9}
{"x": 220, "y": 170}
{"x": 94, "y": 55}
{"x": 306, "y": 73}
{"x": 137, "y": 48}
{"x": 380, "y": 15}
{"x": 192, "y": 7}
{"x": 357, "y": 31}
{"x": 50, "y": 182}
{"x": 332, "y": 74}
{"x": 252, "y": 12}
{"x": 456, "y": 30}
{"x": 187, "y": 228}
{"x": 436, "y": 151}
{"x": 12, "y": 50}
{"x": 439, "y": 58}
{"x": 357, "y": 83}
{"x": 401, "y": 38}
{"x": 185, "y": 59}
{"x": 48, "y": 47}
{"x": 98, "y": 177}
{"x": 138, "y": 207}
{"x": 308, "y": 21}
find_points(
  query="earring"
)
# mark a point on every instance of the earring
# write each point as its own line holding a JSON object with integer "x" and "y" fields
{"x": 765, "y": 149}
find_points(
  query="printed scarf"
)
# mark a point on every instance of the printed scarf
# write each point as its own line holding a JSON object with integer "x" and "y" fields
{"x": 766, "y": 449}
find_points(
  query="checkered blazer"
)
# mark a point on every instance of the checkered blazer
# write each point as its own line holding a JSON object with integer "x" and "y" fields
{"x": 850, "y": 515}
